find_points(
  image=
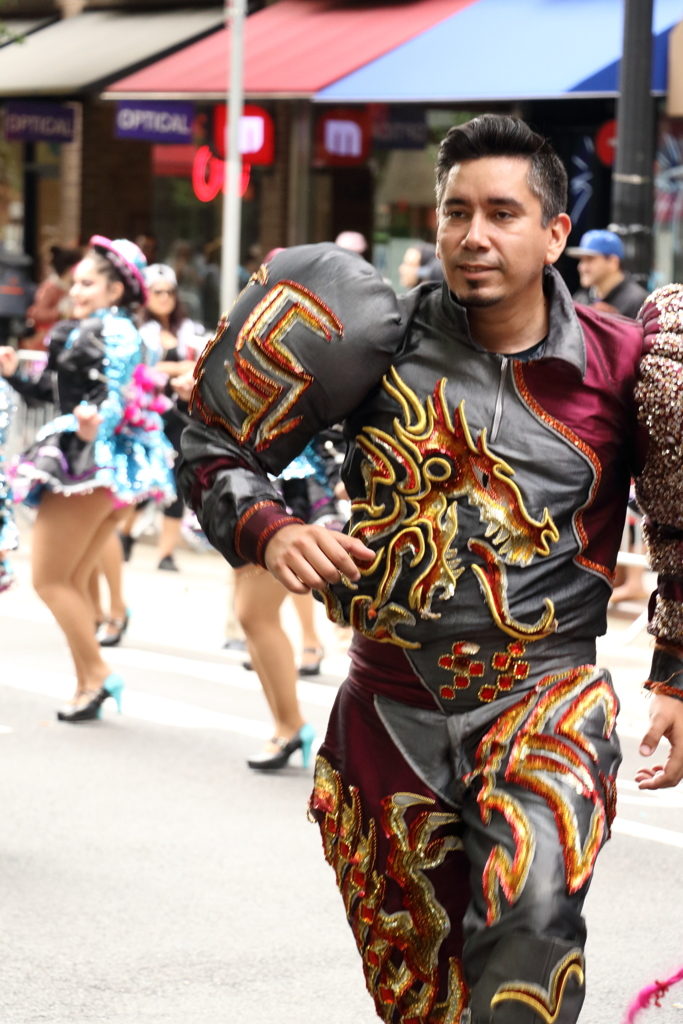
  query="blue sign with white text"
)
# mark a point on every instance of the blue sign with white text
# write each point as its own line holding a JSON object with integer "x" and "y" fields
{"x": 154, "y": 121}
{"x": 26, "y": 121}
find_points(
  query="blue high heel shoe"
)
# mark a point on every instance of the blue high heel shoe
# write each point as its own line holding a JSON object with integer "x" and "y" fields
{"x": 302, "y": 740}
{"x": 112, "y": 687}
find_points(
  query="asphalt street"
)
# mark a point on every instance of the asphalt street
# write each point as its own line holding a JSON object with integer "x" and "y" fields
{"x": 147, "y": 875}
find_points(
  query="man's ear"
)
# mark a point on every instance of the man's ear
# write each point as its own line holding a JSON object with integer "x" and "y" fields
{"x": 560, "y": 227}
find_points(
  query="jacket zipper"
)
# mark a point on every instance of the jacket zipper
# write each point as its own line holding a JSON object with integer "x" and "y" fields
{"x": 498, "y": 414}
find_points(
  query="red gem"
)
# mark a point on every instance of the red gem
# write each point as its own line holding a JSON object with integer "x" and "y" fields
{"x": 371, "y": 956}
{"x": 500, "y": 660}
{"x": 517, "y": 648}
{"x": 447, "y": 692}
{"x": 521, "y": 670}
{"x": 359, "y": 877}
{"x": 458, "y": 648}
{"x": 462, "y": 682}
{"x": 368, "y": 916}
{"x": 331, "y": 826}
{"x": 386, "y": 995}
{"x": 445, "y": 661}
{"x": 477, "y": 668}
{"x": 505, "y": 682}
{"x": 487, "y": 693}
{"x": 344, "y": 850}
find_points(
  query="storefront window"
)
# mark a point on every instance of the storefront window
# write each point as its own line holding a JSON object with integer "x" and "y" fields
{"x": 187, "y": 228}
{"x": 11, "y": 196}
{"x": 405, "y": 203}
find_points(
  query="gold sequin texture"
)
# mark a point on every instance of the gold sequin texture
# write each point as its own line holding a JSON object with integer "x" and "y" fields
{"x": 430, "y": 462}
{"x": 400, "y": 950}
{"x": 546, "y": 1003}
{"x": 659, "y": 488}
{"x": 548, "y": 761}
{"x": 267, "y": 385}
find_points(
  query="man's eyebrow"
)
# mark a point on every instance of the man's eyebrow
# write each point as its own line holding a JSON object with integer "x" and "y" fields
{"x": 505, "y": 201}
{"x": 491, "y": 201}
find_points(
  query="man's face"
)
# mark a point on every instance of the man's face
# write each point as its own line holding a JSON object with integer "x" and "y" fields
{"x": 491, "y": 239}
{"x": 593, "y": 270}
{"x": 408, "y": 271}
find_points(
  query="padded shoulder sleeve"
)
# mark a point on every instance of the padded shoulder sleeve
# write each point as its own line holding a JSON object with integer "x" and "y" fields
{"x": 306, "y": 341}
{"x": 659, "y": 488}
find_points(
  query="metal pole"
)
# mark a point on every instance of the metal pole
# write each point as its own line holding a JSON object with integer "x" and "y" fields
{"x": 632, "y": 191}
{"x": 235, "y": 11}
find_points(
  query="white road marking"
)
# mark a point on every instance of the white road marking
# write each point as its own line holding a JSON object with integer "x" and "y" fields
{"x": 651, "y": 832}
{"x": 629, "y": 793}
{"x": 227, "y": 674}
{"x": 160, "y": 710}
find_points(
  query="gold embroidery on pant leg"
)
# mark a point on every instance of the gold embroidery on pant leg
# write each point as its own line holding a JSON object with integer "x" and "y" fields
{"x": 547, "y": 1003}
{"x": 502, "y": 870}
{"x": 541, "y": 762}
{"x": 400, "y": 950}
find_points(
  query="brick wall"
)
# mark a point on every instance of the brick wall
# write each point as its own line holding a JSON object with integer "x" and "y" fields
{"x": 116, "y": 198}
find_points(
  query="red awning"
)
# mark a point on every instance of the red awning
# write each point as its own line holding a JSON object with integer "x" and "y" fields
{"x": 293, "y": 48}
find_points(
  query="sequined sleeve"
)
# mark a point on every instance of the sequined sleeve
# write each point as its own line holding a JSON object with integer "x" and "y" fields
{"x": 659, "y": 487}
{"x": 122, "y": 353}
{"x": 310, "y": 336}
{"x": 8, "y": 530}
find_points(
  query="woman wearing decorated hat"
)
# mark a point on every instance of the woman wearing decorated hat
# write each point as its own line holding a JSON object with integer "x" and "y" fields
{"x": 171, "y": 341}
{"x": 106, "y": 451}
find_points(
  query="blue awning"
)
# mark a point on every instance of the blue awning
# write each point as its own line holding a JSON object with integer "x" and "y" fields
{"x": 509, "y": 50}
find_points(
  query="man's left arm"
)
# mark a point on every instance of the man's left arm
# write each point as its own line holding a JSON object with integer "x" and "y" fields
{"x": 659, "y": 489}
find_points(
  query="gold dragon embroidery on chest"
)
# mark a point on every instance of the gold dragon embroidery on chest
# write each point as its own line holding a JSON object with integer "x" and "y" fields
{"x": 428, "y": 465}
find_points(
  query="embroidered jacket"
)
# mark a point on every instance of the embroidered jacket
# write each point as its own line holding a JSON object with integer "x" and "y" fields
{"x": 493, "y": 491}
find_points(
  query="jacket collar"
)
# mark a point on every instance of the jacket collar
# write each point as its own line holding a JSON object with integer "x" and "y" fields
{"x": 565, "y": 338}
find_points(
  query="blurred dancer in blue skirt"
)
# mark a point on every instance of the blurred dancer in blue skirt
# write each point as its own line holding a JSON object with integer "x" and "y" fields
{"x": 106, "y": 451}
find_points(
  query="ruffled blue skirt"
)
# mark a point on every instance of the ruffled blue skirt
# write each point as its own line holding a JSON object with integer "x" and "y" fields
{"x": 134, "y": 465}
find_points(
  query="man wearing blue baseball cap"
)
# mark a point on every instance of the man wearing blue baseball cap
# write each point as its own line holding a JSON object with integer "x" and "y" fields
{"x": 602, "y": 279}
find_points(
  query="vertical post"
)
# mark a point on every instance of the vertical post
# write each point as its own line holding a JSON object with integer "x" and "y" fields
{"x": 298, "y": 199}
{"x": 632, "y": 190}
{"x": 235, "y": 11}
{"x": 71, "y": 182}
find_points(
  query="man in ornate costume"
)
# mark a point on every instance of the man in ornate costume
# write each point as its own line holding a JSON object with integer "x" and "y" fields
{"x": 467, "y": 780}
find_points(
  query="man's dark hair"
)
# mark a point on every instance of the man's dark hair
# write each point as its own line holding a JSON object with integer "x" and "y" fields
{"x": 502, "y": 135}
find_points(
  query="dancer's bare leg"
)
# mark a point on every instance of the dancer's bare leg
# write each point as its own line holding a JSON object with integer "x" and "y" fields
{"x": 111, "y": 564}
{"x": 258, "y": 598}
{"x": 170, "y": 536}
{"x": 95, "y": 597}
{"x": 67, "y": 541}
{"x": 312, "y": 645}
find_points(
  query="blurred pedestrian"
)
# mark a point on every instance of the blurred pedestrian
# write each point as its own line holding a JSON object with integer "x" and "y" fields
{"x": 258, "y": 600}
{"x": 9, "y": 537}
{"x": 604, "y": 282}
{"x": 420, "y": 263}
{"x": 354, "y": 241}
{"x": 169, "y": 337}
{"x": 51, "y": 301}
{"x": 105, "y": 451}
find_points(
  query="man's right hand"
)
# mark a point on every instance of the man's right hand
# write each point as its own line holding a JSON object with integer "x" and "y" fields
{"x": 9, "y": 361}
{"x": 307, "y": 558}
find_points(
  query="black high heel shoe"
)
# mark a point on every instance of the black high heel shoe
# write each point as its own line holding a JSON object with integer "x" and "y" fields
{"x": 112, "y": 687}
{"x": 107, "y": 639}
{"x": 313, "y": 667}
{"x": 302, "y": 740}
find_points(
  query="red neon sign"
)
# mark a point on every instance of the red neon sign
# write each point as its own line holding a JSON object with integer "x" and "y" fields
{"x": 208, "y": 175}
{"x": 256, "y": 134}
